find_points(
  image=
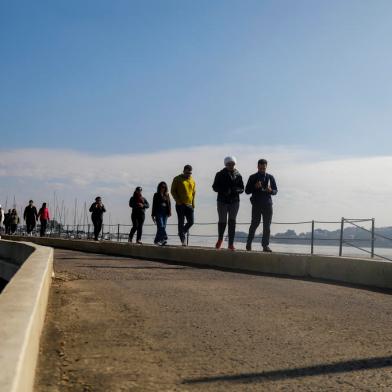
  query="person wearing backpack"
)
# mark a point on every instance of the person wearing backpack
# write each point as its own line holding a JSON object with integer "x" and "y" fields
{"x": 138, "y": 204}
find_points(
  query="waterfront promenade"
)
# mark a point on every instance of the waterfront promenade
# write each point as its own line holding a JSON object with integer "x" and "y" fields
{"x": 123, "y": 324}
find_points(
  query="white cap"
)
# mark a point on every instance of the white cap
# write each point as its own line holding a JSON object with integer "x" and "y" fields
{"x": 230, "y": 159}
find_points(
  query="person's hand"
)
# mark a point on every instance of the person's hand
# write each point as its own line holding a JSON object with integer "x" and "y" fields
{"x": 269, "y": 189}
{"x": 258, "y": 185}
{"x": 140, "y": 205}
{"x": 153, "y": 219}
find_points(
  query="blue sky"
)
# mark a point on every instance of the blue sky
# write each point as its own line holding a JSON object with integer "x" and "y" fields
{"x": 138, "y": 76}
{"x": 98, "y": 97}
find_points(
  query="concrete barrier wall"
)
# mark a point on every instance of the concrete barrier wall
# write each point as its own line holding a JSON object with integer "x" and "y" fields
{"x": 367, "y": 272}
{"x": 12, "y": 256}
{"x": 23, "y": 305}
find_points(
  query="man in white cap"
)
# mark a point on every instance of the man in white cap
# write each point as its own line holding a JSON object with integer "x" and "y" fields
{"x": 229, "y": 185}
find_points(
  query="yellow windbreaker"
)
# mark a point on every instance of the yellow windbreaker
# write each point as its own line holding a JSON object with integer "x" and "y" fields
{"x": 183, "y": 190}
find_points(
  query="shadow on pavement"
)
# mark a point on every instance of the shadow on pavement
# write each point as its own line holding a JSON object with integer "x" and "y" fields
{"x": 338, "y": 367}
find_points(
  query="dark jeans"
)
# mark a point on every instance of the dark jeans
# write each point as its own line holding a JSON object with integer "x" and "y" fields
{"x": 97, "y": 222}
{"x": 42, "y": 231}
{"x": 13, "y": 228}
{"x": 161, "y": 235}
{"x": 30, "y": 225}
{"x": 184, "y": 212}
{"x": 258, "y": 211}
{"x": 225, "y": 211}
{"x": 138, "y": 222}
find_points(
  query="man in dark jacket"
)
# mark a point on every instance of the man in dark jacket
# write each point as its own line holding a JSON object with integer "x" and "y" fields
{"x": 261, "y": 185}
{"x": 97, "y": 209}
{"x": 30, "y": 215}
{"x": 229, "y": 185}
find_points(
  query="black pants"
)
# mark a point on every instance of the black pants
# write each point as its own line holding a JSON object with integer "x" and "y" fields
{"x": 13, "y": 228}
{"x": 137, "y": 217}
{"x": 184, "y": 212}
{"x": 259, "y": 211}
{"x": 30, "y": 225}
{"x": 42, "y": 230}
{"x": 97, "y": 222}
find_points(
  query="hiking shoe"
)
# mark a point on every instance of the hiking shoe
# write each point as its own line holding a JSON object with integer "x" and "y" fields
{"x": 183, "y": 242}
{"x": 266, "y": 249}
{"x": 218, "y": 244}
{"x": 248, "y": 247}
{"x": 231, "y": 247}
{"x": 163, "y": 243}
{"x": 139, "y": 242}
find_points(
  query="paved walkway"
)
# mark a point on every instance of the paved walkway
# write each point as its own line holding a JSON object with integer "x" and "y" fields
{"x": 120, "y": 324}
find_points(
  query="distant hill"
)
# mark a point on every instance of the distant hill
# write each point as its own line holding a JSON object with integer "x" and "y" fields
{"x": 353, "y": 235}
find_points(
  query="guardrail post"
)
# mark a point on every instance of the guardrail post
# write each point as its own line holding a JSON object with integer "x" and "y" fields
{"x": 341, "y": 237}
{"x": 102, "y": 231}
{"x": 312, "y": 239}
{"x": 118, "y": 233}
{"x": 187, "y": 238}
{"x": 372, "y": 244}
{"x": 59, "y": 230}
{"x": 77, "y": 231}
{"x": 88, "y": 231}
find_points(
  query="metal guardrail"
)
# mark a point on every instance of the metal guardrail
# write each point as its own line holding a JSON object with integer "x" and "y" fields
{"x": 120, "y": 232}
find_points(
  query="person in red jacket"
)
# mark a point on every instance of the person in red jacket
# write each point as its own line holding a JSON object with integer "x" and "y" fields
{"x": 43, "y": 215}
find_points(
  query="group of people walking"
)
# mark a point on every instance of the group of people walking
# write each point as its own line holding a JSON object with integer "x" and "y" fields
{"x": 11, "y": 219}
{"x": 229, "y": 186}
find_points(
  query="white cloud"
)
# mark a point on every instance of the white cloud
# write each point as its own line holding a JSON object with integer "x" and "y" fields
{"x": 311, "y": 185}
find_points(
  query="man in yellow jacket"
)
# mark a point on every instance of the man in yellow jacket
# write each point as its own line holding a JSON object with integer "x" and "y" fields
{"x": 183, "y": 190}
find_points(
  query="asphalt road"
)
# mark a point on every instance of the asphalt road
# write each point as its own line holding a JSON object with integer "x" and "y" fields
{"x": 121, "y": 324}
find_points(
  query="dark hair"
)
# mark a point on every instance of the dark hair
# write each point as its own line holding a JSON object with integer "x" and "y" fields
{"x": 187, "y": 167}
{"x": 43, "y": 205}
{"x": 31, "y": 201}
{"x": 138, "y": 188}
{"x": 162, "y": 183}
{"x": 262, "y": 162}
{"x": 98, "y": 197}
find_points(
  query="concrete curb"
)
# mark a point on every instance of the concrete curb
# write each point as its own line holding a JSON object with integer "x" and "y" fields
{"x": 23, "y": 302}
{"x": 366, "y": 272}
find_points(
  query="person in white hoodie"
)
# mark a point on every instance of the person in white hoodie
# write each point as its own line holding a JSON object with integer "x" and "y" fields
{"x": 1, "y": 219}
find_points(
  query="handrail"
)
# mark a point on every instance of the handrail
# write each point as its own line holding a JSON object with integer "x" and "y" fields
{"x": 116, "y": 232}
